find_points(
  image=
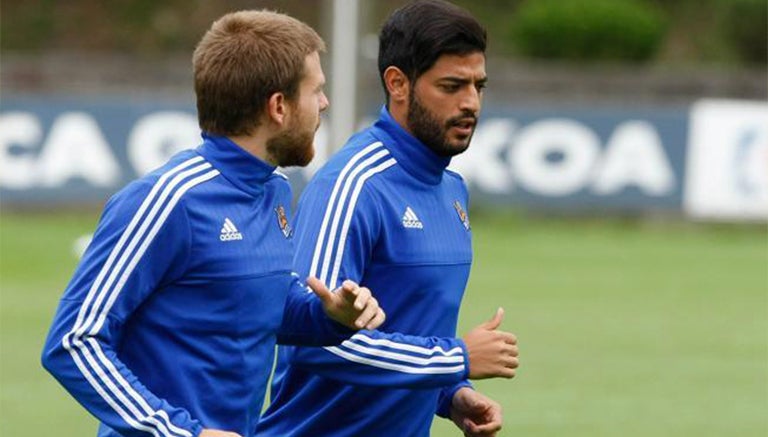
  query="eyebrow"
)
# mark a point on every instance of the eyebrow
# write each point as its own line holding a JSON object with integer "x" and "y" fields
{"x": 461, "y": 80}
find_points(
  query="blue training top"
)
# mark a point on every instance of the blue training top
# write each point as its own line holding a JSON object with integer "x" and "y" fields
{"x": 386, "y": 213}
{"x": 168, "y": 325}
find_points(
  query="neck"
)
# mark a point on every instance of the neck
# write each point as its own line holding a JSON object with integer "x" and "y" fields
{"x": 255, "y": 144}
{"x": 400, "y": 114}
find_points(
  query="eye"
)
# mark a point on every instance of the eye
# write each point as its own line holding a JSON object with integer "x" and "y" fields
{"x": 449, "y": 88}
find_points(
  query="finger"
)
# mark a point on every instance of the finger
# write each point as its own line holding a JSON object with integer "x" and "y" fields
{"x": 501, "y": 370}
{"x": 509, "y": 350}
{"x": 488, "y": 428}
{"x": 495, "y": 320}
{"x": 468, "y": 426}
{"x": 319, "y": 289}
{"x": 472, "y": 429}
{"x": 507, "y": 337}
{"x": 368, "y": 313}
{"x": 514, "y": 351}
{"x": 509, "y": 360}
{"x": 378, "y": 320}
{"x": 492, "y": 423}
{"x": 507, "y": 372}
{"x": 363, "y": 298}
{"x": 349, "y": 290}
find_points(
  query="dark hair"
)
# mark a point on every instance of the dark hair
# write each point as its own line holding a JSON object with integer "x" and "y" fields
{"x": 415, "y": 36}
{"x": 242, "y": 60}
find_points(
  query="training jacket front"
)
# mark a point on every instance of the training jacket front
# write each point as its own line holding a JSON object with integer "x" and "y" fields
{"x": 168, "y": 325}
{"x": 384, "y": 212}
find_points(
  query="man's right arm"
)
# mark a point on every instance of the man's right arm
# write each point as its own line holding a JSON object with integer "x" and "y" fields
{"x": 383, "y": 359}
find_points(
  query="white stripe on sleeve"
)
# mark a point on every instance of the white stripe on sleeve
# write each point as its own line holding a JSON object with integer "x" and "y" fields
{"x": 348, "y": 218}
{"x": 392, "y": 366}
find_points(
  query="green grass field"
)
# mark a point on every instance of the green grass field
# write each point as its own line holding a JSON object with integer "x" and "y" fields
{"x": 625, "y": 328}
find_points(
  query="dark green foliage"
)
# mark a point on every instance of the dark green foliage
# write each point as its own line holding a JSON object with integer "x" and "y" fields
{"x": 745, "y": 23}
{"x": 625, "y": 30}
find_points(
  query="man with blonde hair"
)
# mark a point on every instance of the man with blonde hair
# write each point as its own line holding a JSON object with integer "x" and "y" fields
{"x": 168, "y": 326}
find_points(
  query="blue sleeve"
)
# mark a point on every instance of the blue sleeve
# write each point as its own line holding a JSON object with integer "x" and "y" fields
{"x": 304, "y": 320}
{"x": 375, "y": 358}
{"x": 141, "y": 242}
{"x": 334, "y": 240}
{"x": 445, "y": 398}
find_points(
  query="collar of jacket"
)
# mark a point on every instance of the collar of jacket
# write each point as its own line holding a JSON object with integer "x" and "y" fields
{"x": 411, "y": 154}
{"x": 238, "y": 166}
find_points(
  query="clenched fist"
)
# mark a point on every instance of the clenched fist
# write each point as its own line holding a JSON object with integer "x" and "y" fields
{"x": 492, "y": 353}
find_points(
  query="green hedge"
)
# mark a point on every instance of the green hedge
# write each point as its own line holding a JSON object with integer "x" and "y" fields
{"x": 745, "y": 23}
{"x": 627, "y": 30}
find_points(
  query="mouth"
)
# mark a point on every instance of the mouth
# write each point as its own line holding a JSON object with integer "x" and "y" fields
{"x": 464, "y": 126}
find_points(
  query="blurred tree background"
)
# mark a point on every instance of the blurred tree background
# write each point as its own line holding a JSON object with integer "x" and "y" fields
{"x": 717, "y": 32}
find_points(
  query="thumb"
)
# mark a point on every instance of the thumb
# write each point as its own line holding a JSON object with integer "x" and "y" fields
{"x": 320, "y": 290}
{"x": 495, "y": 321}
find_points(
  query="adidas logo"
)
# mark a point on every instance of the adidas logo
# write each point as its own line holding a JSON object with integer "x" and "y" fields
{"x": 229, "y": 232}
{"x": 410, "y": 220}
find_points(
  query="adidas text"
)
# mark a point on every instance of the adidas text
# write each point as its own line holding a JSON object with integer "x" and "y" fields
{"x": 231, "y": 236}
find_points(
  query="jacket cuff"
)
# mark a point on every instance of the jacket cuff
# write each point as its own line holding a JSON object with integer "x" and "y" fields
{"x": 446, "y": 398}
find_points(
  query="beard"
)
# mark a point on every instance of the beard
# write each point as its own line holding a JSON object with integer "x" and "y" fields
{"x": 425, "y": 126}
{"x": 293, "y": 147}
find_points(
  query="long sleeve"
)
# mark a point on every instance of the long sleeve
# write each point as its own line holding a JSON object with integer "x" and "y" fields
{"x": 445, "y": 399}
{"x": 375, "y": 358}
{"x": 141, "y": 243}
{"x": 305, "y": 323}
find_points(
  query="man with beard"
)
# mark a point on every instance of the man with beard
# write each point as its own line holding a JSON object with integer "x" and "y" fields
{"x": 385, "y": 212}
{"x": 168, "y": 326}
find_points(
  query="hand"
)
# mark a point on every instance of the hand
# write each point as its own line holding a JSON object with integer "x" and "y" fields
{"x": 492, "y": 353}
{"x": 218, "y": 433}
{"x": 476, "y": 414}
{"x": 351, "y": 305}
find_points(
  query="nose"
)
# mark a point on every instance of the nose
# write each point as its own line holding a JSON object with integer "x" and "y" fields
{"x": 471, "y": 100}
{"x": 324, "y": 103}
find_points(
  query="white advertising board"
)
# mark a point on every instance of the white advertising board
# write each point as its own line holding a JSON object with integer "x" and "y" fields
{"x": 727, "y": 162}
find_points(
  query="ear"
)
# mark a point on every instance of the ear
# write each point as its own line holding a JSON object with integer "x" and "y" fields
{"x": 397, "y": 84}
{"x": 277, "y": 110}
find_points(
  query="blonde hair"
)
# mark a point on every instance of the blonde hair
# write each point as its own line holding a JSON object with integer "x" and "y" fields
{"x": 243, "y": 59}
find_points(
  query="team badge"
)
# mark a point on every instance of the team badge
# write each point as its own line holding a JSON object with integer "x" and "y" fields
{"x": 462, "y": 214}
{"x": 282, "y": 221}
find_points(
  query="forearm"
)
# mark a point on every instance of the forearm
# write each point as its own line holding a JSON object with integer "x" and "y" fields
{"x": 374, "y": 358}
{"x": 305, "y": 322}
{"x": 446, "y": 397}
{"x": 87, "y": 367}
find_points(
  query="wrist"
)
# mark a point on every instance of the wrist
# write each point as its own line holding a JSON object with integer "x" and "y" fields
{"x": 464, "y": 351}
{"x": 445, "y": 401}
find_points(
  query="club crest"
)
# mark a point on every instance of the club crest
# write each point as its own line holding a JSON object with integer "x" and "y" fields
{"x": 282, "y": 221}
{"x": 462, "y": 214}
